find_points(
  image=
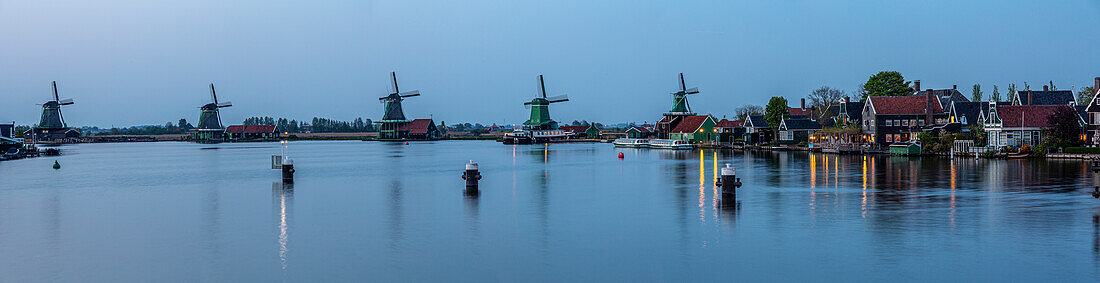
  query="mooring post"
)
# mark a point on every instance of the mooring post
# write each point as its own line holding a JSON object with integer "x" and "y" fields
{"x": 471, "y": 175}
{"x": 288, "y": 171}
{"x": 729, "y": 181}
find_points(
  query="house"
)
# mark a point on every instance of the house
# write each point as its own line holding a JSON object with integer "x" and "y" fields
{"x": 1044, "y": 97}
{"x": 419, "y": 129}
{"x": 967, "y": 113}
{"x": 582, "y": 131}
{"x": 52, "y": 135}
{"x": 730, "y": 131}
{"x": 696, "y": 129}
{"x": 888, "y": 119}
{"x": 7, "y": 130}
{"x": 946, "y": 96}
{"x": 638, "y": 132}
{"x": 251, "y": 132}
{"x": 827, "y": 117}
{"x": 794, "y": 131}
{"x": 1092, "y": 121}
{"x": 757, "y": 130}
{"x": 849, "y": 113}
{"x": 800, "y": 113}
{"x": 1017, "y": 125}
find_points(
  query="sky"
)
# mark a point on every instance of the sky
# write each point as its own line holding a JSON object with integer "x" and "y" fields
{"x": 139, "y": 62}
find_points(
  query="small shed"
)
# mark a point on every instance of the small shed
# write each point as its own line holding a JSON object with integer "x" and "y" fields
{"x": 903, "y": 148}
{"x": 636, "y": 132}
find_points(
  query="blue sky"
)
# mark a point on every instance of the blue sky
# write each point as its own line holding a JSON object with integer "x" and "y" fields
{"x": 149, "y": 62}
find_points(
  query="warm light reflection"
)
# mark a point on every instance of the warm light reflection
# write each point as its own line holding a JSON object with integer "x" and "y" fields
{"x": 863, "y": 203}
{"x": 282, "y": 229}
{"x": 954, "y": 176}
{"x": 702, "y": 181}
{"x": 813, "y": 171}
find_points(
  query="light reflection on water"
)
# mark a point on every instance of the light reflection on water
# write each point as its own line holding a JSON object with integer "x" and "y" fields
{"x": 389, "y": 212}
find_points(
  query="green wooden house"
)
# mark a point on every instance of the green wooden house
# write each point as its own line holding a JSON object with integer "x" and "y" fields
{"x": 902, "y": 148}
{"x": 696, "y": 129}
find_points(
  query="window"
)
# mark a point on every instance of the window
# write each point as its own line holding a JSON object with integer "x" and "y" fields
{"x": 920, "y": 122}
{"x": 905, "y": 122}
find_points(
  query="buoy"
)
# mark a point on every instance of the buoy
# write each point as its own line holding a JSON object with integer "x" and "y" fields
{"x": 56, "y": 165}
{"x": 620, "y": 155}
{"x": 406, "y": 143}
{"x": 729, "y": 181}
{"x": 288, "y": 171}
{"x": 471, "y": 175}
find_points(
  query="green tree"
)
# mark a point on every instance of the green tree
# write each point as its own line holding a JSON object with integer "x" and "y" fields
{"x": 1064, "y": 128}
{"x": 1011, "y": 92}
{"x": 1052, "y": 87}
{"x": 886, "y": 83}
{"x": 1084, "y": 97}
{"x": 776, "y": 111}
{"x": 996, "y": 96}
{"x": 977, "y": 94}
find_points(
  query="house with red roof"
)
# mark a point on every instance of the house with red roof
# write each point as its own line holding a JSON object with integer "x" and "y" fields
{"x": 419, "y": 129}
{"x": 729, "y": 131}
{"x": 251, "y": 132}
{"x": 696, "y": 129}
{"x": 1016, "y": 125}
{"x": 889, "y": 119}
{"x": 1092, "y": 115}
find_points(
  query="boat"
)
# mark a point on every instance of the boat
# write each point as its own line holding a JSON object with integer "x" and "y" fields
{"x": 631, "y": 142}
{"x": 669, "y": 144}
{"x": 534, "y": 136}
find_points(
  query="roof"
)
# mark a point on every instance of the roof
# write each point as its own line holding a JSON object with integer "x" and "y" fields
{"x": 418, "y": 126}
{"x": 1049, "y": 97}
{"x": 575, "y": 129}
{"x": 1082, "y": 111}
{"x": 903, "y": 105}
{"x": 250, "y": 129}
{"x": 1034, "y": 116}
{"x": 798, "y": 111}
{"x": 800, "y": 124}
{"x": 854, "y": 110}
{"x": 690, "y": 124}
{"x": 728, "y": 124}
{"x": 972, "y": 111}
{"x": 758, "y": 121}
{"x": 639, "y": 129}
{"x": 946, "y": 95}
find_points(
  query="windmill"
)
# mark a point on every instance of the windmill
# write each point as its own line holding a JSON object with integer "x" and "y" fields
{"x": 540, "y": 108}
{"x": 679, "y": 99}
{"x": 393, "y": 101}
{"x": 51, "y": 112}
{"x": 211, "y": 119}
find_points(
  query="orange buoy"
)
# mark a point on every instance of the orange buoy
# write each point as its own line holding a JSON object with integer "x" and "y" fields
{"x": 620, "y": 155}
{"x": 406, "y": 143}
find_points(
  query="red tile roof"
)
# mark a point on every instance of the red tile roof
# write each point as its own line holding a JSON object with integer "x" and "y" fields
{"x": 902, "y": 105}
{"x": 1034, "y": 116}
{"x": 418, "y": 126}
{"x": 690, "y": 124}
{"x": 640, "y": 129}
{"x": 250, "y": 129}
{"x": 573, "y": 129}
{"x": 798, "y": 111}
{"x": 728, "y": 124}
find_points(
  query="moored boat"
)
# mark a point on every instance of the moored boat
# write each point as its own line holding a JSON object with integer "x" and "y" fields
{"x": 669, "y": 144}
{"x": 631, "y": 142}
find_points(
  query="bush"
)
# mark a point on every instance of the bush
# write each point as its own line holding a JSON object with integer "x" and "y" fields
{"x": 1025, "y": 149}
{"x": 1039, "y": 151}
{"x": 803, "y": 144}
{"x": 1083, "y": 150}
{"x": 988, "y": 154}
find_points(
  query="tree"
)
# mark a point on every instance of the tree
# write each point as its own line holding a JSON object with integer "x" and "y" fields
{"x": 776, "y": 111}
{"x": 977, "y": 94}
{"x": 823, "y": 97}
{"x": 1063, "y": 128}
{"x": 1051, "y": 86}
{"x": 169, "y": 125}
{"x": 748, "y": 110}
{"x": 1027, "y": 86}
{"x": 996, "y": 96}
{"x": 184, "y": 125}
{"x": 885, "y": 83}
{"x": 1084, "y": 97}
{"x": 1011, "y": 92}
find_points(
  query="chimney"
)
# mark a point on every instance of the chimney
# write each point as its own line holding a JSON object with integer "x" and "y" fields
{"x": 1046, "y": 88}
{"x": 1097, "y": 86}
{"x": 916, "y": 85}
{"x": 1029, "y": 97}
{"x": 803, "y": 106}
{"x": 955, "y": 87}
{"x": 928, "y": 109}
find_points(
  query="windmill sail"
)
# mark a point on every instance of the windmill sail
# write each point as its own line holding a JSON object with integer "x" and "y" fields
{"x": 392, "y": 102}
{"x": 679, "y": 99}
{"x": 51, "y": 111}
{"x": 211, "y": 119}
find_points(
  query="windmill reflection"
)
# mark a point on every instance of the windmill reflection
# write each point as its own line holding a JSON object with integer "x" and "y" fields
{"x": 282, "y": 198}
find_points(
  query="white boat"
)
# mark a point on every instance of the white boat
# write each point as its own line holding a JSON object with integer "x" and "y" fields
{"x": 631, "y": 142}
{"x": 534, "y": 136}
{"x": 670, "y": 144}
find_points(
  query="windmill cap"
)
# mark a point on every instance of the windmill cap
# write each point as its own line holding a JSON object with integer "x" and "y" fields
{"x": 471, "y": 166}
{"x": 288, "y": 161}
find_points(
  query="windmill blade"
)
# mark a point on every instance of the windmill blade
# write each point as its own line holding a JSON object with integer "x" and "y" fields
{"x": 67, "y": 101}
{"x": 213, "y": 94}
{"x": 409, "y": 93}
{"x": 682, "y": 86}
{"x": 542, "y": 88}
{"x": 693, "y": 90}
{"x": 225, "y": 104}
{"x": 393, "y": 82}
{"x": 559, "y": 98}
{"x": 55, "y": 98}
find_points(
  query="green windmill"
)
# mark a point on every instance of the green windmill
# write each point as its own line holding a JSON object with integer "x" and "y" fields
{"x": 540, "y": 109}
{"x": 679, "y": 99}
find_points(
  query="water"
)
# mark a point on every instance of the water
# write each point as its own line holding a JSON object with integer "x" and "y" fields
{"x": 373, "y": 211}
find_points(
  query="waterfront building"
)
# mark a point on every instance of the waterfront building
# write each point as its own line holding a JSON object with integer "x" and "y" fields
{"x": 695, "y": 129}
{"x": 967, "y": 113}
{"x": 888, "y": 119}
{"x": 1044, "y": 97}
{"x": 581, "y": 131}
{"x": 946, "y": 96}
{"x": 757, "y": 130}
{"x": 51, "y": 126}
{"x": 1092, "y": 110}
{"x": 420, "y": 129}
{"x": 801, "y": 112}
{"x": 794, "y": 131}
{"x": 679, "y": 112}
{"x": 639, "y": 132}
{"x": 394, "y": 125}
{"x": 1016, "y": 125}
{"x": 7, "y": 130}
{"x": 730, "y": 131}
{"x": 849, "y": 113}
{"x": 251, "y": 132}
{"x": 210, "y": 129}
